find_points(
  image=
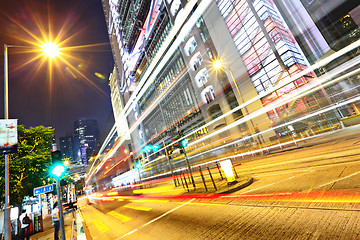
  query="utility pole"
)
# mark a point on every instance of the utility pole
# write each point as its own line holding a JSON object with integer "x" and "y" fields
{"x": 168, "y": 158}
{"x": 61, "y": 214}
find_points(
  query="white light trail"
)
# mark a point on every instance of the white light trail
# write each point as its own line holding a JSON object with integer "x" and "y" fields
{"x": 184, "y": 30}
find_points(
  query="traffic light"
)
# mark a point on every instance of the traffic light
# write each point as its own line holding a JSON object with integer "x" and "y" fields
{"x": 170, "y": 151}
{"x": 184, "y": 142}
{"x": 56, "y": 157}
{"x": 153, "y": 148}
{"x": 180, "y": 144}
{"x": 147, "y": 148}
{"x": 138, "y": 165}
{"x": 58, "y": 168}
{"x": 177, "y": 144}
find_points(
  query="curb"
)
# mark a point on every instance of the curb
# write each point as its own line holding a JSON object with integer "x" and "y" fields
{"x": 236, "y": 187}
{"x": 225, "y": 189}
{"x": 82, "y": 229}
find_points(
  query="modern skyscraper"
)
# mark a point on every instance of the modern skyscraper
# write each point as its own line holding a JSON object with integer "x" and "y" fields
{"x": 69, "y": 147}
{"x": 87, "y": 131}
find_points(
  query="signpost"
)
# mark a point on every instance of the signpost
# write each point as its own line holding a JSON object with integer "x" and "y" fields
{"x": 43, "y": 189}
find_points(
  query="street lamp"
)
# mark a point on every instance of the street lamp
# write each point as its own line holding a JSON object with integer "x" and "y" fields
{"x": 58, "y": 170}
{"x": 217, "y": 66}
{"x": 50, "y": 50}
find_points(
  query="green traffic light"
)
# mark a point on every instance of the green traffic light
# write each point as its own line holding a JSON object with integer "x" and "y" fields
{"x": 138, "y": 165}
{"x": 58, "y": 170}
{"x": 147, "y": 148}
{"x": 155, "y": 148}
{"x": 184, "y": 142}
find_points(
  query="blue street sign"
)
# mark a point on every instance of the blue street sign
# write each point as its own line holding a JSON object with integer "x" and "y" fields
{"x": 43, "y": 189}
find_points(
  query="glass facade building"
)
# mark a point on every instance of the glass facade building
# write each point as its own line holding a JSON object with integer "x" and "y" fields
{"x": 278, "y": 80}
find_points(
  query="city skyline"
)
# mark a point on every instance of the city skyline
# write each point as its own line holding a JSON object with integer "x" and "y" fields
{"x": 75, "y": 90}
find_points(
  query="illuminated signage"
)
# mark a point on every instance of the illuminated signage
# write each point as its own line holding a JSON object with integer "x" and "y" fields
{"x": 226, "y": 166}
{"x": 8, "y": 136}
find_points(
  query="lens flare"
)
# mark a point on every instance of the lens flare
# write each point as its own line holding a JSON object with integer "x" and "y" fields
{"x": 50, "y": 49}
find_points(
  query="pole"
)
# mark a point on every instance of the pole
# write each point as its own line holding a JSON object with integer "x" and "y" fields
{"x": 7, "y": 232}
{"x": 188, "y": 165}
{"x": 241, "y": 98}
{"x": 62, "y": 226}
{"x": 140, "y": 177}
{"x": 168, "y": 158}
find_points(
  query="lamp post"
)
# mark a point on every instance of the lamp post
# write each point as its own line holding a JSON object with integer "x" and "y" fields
{"x": 7, "y": 232}
{"x": 218, "y": 65}
{"x": 58, "y": 171}
{"x": 50, "y": 50}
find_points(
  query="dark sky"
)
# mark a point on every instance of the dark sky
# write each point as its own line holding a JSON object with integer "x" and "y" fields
{"x": 70, "y": 90}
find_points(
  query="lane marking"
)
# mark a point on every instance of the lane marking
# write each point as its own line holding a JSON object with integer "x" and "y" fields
{"x": 340, "y": 179}
{"x": 119, "y": 216}
{"x": 155, "y": 219}
{"x": 278, "y": 173}
{"x": 129, "y": 233}
{"x": 252, "y": 190}
{"x": 100, "y": 225}
{"x": 161, "y": 216}
{"x": 146, "y": 209}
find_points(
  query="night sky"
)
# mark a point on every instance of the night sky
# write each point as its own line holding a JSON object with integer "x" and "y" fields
{"x": 57, "y": 94}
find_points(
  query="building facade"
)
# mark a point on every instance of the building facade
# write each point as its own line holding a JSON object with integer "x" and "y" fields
{"x": 165, "y": 84}
{"x": 87, "y": 131}
{"x": 70, "y": 148}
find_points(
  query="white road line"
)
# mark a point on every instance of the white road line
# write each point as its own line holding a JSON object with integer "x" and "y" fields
{"x": 252, "y": 190}
{"x": 340, "y": 179}
{"x": 279, "y": 173}
{"x": 168, "y": 212}
{"x": 129, "y": 233}
{"x": 155, "y": 219}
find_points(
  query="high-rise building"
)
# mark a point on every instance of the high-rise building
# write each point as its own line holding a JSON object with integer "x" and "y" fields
{"x": 66, "y": 147}
{"x": 87, "y": 131}
{"x": 165, "y": 81}
{"x": 69, "y": 147}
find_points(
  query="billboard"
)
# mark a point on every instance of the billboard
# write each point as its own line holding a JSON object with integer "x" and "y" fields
{"x": 8, "y": 136}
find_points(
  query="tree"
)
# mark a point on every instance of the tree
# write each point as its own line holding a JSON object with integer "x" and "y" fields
{"x": 28, "y": 168}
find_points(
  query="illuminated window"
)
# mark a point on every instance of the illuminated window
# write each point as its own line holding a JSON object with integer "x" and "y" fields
{"x": 190, "y": 46}
{"x": 201, "y": 77}
{"x": 208, "y": 94}
{"x": 175, "y": 7}
{"x": 196, "y": 61}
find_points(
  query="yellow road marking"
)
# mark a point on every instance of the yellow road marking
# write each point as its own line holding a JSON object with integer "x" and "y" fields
{"x": 119, "y": 216}
{"x": 138, "y": 208}
{"x": 100, "y": 225}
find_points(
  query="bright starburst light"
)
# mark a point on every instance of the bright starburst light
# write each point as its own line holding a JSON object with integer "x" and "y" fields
{"x": 47, "y": 41}
{"x": 50, "y": 49}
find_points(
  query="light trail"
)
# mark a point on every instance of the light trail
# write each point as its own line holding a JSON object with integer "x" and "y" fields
{"x": 308, "y": 89}
{"x": 145, "y": 83}
{"x": 328, "y": 196}
{"x": 302, "y": 73}
{"x": 155, "y": 219}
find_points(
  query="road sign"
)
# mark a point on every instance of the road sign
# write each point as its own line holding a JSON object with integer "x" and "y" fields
{"x": 43, "y": 189}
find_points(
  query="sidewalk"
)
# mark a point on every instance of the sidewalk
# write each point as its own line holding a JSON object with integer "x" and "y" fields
{"x": 48, "y": 232}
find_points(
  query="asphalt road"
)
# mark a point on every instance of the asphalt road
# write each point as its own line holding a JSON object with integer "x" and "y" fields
{"x": 331, "y": 162}
{"x": 309, "y": 192}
